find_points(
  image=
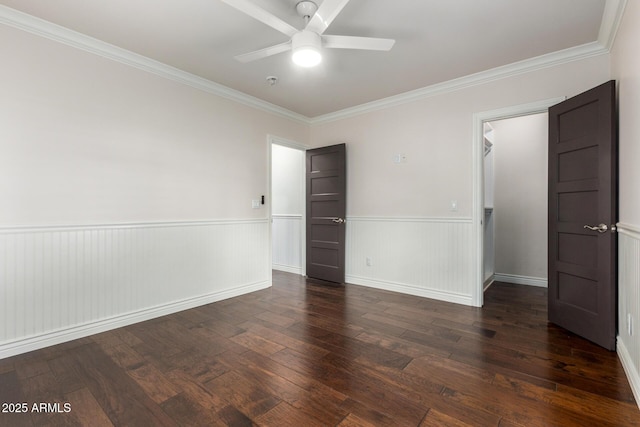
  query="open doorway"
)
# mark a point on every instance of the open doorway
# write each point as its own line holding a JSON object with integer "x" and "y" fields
{"x": 479, "y": 120}
{"x": 287, "y": 206}
{"x": 515, "y": 200}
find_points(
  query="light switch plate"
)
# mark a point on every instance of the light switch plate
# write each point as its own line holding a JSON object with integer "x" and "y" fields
{"x": 400, "y": 158}
{"x": 255, "y": 204}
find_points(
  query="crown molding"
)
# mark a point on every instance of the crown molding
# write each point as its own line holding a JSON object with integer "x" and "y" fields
{"x": 49, "y": 30}
{"x": 521, "y": 67}
{"x": 611, "y": 19}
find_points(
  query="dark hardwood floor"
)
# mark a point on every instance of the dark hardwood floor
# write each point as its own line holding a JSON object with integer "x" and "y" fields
{"x": 309, "y": 354}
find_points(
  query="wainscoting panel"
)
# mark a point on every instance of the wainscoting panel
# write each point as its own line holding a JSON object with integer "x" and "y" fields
{"x": 287, "y": 243}
{"x": 628, "y": 345}
{"x": 420, "y": 256}
{"x": 61, "y": 283}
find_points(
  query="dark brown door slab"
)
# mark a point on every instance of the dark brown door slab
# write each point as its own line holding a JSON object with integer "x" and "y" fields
{"x": 326, "y": 210}
{"x": 582, "y": 215}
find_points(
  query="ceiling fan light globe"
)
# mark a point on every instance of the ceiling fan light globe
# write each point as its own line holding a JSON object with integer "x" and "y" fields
{"x": 306, "y": 57}
{"x": 306, "y": 49}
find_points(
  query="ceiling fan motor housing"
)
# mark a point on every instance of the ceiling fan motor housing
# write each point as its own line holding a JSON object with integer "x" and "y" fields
{"x": 306, "y": 39}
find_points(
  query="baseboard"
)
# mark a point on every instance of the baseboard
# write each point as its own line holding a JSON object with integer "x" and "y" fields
{"x": 488, "y": 282}
{"x": 629, "y": 368}
{"x": 68, "y": 334}
{"x": 521, "y": 280}
{"x": 288, "y": 269}
{"x": 411, "y": 290}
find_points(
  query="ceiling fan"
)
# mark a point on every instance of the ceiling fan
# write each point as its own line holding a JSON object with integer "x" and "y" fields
{"x": 306, "y": 44}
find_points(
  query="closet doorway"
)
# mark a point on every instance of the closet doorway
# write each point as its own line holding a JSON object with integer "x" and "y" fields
{"x": 515, "y": 200}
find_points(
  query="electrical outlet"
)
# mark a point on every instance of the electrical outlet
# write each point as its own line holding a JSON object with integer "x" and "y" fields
{"x": 368, "y": 261}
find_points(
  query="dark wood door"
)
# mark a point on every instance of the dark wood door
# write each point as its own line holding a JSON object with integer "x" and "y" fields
{"x": 326, "y": 210}
{"x": 582, "y": 215}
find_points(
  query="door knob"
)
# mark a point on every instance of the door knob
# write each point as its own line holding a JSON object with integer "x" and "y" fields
{"x": 600, "y": 228}
{"x": 338, "y": 220}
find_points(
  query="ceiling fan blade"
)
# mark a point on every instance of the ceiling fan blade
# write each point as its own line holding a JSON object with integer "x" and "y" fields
{"x": 325, "y": 15}
{"x": 350, "y": 42}
{"x": 263, "y": 53}
{"x": 262, "y": 15}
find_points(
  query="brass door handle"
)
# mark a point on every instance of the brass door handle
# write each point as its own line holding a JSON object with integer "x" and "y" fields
{"x": 600, "y": 228}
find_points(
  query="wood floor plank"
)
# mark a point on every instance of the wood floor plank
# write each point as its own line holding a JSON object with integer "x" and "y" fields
{"x": 329, "y": 396}
{"x": 67, "y": 378}
{"x": 195, "y": 391}
{"x": 190, "y": 413}
{"x": 285, "y": 414}
{"x": 435, "y": 418}
{"x": 429, "y": 394}
{"x": 400, "y": 345}
{"x": 449, "y": 372}
{"x": 242, "y": 394}
{"x": 257, "y": 343}
{"x": 336, "y": 373}
{"x": 305, "y": 352}
{"x": 201, "y": 366}
{"x": 124, "y": 356}
{"x": 233, "y": 417}
{"x": 46, "y": 401}
{"x": 121, "y": 398}
{"x": 7, "y": 365}
{"x": 11, "y": 392}
{"x": 275, "y": 318}
{"x": 597, "y": 407}
{"x": 32, "y": 368}
{"x": 493, "y": 357}
{"x": 153, "y": 382}
{"x": 352, "y": 420}
{"x": 520, "y": 410}
{"x": 86, "y": 410}
{"x": 280, "y": 337}
{"x": 368, "y": 414}
{"x": 268, "y": 375}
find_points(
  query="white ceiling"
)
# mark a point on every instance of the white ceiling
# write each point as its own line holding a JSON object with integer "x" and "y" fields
{"x": 436, "y": 41}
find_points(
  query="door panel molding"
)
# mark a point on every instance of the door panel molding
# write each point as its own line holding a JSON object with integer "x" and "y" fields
{"x": 326, "y": 194}
{"x": 583, "y": 193}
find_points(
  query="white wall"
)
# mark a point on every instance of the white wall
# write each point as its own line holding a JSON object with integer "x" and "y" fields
{"x": 520, "y": 198}
{"x": 105, "y": 165}
{"x": 436, "y": 134}
{"x": 89, "y": 140}
{"x": 626, "y": 70}
{"x": 287, "y": 188}
{"x": 288, "y": 180}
